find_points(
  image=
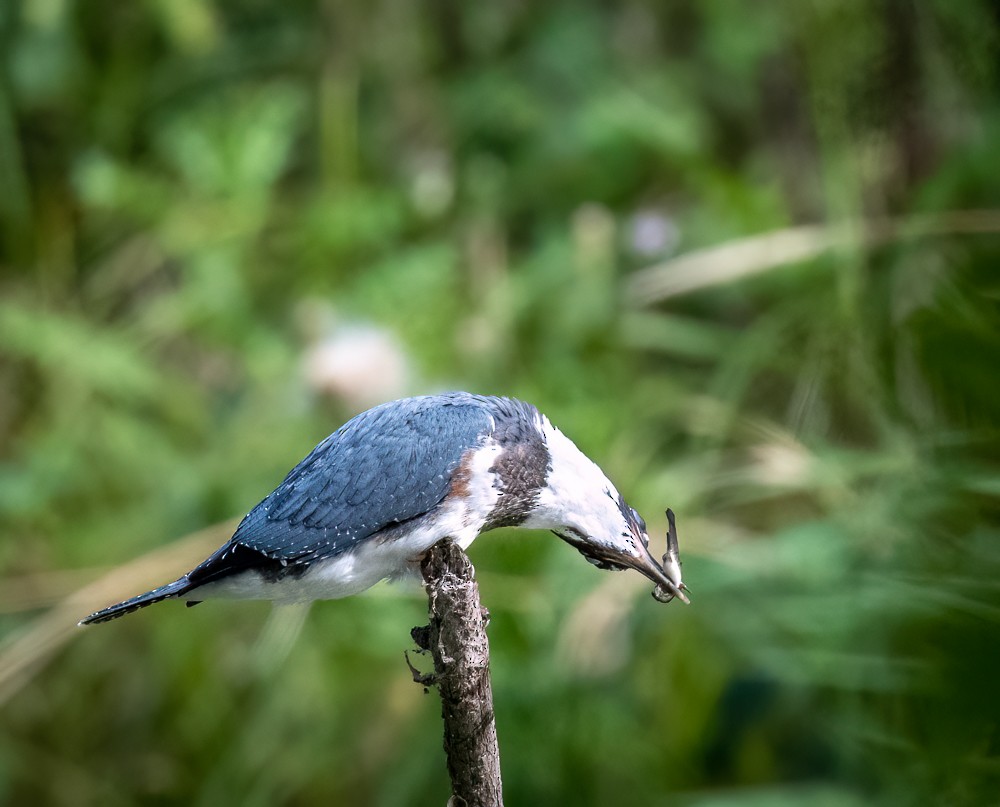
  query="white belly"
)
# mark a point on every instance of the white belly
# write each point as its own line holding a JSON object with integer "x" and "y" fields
{"x": 373, "y": 560}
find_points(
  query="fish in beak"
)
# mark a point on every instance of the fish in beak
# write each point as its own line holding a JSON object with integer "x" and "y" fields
{"x": 666, "y": 576}
{"x": 671, "y": 568}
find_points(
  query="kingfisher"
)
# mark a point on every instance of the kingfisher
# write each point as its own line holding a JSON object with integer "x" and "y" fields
{"x": 375, "y": 495}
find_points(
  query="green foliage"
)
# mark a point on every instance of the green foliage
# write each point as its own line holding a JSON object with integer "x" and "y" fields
{"x": 183, "y": 185}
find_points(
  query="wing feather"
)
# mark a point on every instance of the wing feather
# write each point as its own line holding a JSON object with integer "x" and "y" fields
{"x": 388, "y": 465}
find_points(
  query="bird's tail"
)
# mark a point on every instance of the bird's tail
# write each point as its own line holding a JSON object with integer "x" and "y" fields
{"x": 174, "y": 589}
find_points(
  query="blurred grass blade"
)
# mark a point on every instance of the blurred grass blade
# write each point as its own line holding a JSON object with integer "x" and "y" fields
{"x": 28, "y": 649}
{"x": 755, "y": 254}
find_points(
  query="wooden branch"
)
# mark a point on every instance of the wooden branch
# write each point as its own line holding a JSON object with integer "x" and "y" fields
{"x": 456, "y": 639}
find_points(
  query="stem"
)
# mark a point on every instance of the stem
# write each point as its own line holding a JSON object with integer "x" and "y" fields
{"x": 456, "y": 639}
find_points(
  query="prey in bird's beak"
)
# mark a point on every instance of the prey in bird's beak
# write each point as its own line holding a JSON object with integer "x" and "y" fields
{"x": 671, "y": 567}
{"x": 668, "y": 576}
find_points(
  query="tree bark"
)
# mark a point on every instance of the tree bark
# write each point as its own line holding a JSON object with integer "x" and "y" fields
{"x": 456, "y": 639}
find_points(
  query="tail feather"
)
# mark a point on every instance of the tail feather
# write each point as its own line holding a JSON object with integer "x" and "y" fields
{"x": 174, "y": 589}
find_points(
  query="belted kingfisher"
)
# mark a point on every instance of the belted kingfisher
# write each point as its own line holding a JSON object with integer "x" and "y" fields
{"x": 371, "y": 498}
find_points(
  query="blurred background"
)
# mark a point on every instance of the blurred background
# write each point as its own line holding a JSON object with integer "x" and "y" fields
{"x": 745, "y": 254}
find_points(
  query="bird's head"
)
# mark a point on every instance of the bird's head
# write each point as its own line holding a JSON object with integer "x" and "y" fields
{"x": 581, "y": 505}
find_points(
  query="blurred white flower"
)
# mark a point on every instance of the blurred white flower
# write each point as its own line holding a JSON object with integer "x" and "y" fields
{"x": 781, "y": 464}
{"x": 652, "y": 233}
{"x": 358, "y": 363}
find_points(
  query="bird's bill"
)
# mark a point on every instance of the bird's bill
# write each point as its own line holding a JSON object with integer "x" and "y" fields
{"x": 643, "y": 562}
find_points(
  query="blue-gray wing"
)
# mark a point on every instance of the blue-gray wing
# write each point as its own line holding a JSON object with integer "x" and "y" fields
{"x": 388, "y": 465}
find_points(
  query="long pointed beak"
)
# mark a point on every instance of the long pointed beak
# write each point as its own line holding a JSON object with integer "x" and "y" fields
{"x": 668, "y": 576}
